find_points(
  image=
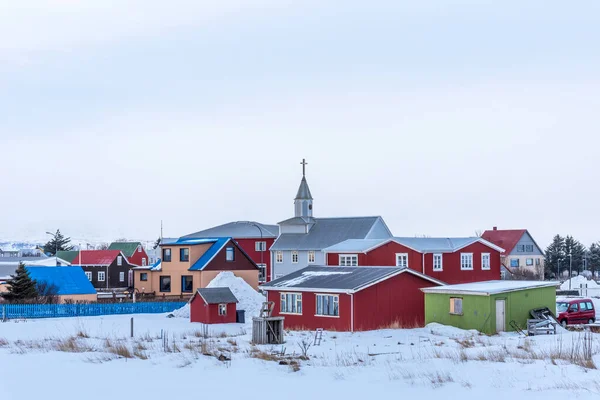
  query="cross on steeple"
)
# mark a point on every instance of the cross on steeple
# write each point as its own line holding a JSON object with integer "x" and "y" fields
{"x": 304, "y": 163}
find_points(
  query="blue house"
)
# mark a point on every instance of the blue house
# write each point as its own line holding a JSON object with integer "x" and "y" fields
{"x": 71, "y": 283}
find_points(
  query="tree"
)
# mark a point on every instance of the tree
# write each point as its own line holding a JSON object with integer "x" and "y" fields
{"x": 156, "y": 244}
{"x": 575, "y": 252}
{"x": 47, "y": 292}
{"x": 555, "y": 255}
{"x": 21, "y": 286}
{"x": 593, "y": 258}
{"x": 58, "y": 243}
{"x": 102, "y": 246}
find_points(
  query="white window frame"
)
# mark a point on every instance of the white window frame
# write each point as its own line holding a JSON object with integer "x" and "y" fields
{"x": 294, "y": 254}
{"x": 311, "y": 256}
{"x": 119, "y": 260}
{"x": 229, "y": 251}
{"x": 88, "y": 274}
{"x": 139, "y": 249}
{"x": 402, "y": 255}
{"x": 262, "y": 267}
{"x": 463, "y": 264}
{"x": 485, "y": 267}
{"x": 453, "y": 306}
{"x": 439, "y": 267}
{"x": 144, "y": 263}
{"x": 343, "y": 260}
{"x": 121, "y": 276}
{"x": 222, "y": 309}
{"x": 297, "y": 299}
{"x": 279, "y": 257}
{"x": 260, "y": 246}
{"x": 335, "y": 298}
{"x": 101, "y": 276}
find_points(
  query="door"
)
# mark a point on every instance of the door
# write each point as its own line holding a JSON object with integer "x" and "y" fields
{"x": 500, "y": 315}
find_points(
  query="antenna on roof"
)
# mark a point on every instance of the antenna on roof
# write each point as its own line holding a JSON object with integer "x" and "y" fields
{"x": 161, "y": 230}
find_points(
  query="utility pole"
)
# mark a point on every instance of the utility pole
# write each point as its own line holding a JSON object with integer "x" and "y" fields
{"x": 570, "y": 268}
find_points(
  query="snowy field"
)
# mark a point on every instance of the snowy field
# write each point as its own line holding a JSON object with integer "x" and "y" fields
{"x": 94, "y": 358}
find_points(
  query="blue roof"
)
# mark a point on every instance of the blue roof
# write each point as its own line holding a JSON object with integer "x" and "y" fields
{"x": 194, "y": 241}
{"x": 69, "y": 280}
{"x": 203, "y": 261}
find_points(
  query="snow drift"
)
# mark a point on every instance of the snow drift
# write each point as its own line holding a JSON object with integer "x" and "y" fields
{"x": 577, "y": 281}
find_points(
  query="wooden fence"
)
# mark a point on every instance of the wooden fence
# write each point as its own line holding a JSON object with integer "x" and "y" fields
{"x": 11, "y": 311}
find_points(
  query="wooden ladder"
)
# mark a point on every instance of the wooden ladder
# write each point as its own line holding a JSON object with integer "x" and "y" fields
{"x": 318, "y": 337}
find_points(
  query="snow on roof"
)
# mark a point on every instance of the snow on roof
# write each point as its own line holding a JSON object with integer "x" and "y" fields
{"x": 489, "y": 287}
{"x": 304, "y": 276}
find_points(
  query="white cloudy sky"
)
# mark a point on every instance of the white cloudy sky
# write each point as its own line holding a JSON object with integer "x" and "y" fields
{"x": 445, "y": 117}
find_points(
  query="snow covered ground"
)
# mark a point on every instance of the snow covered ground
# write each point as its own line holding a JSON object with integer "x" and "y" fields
{"x": 78, "y": 358}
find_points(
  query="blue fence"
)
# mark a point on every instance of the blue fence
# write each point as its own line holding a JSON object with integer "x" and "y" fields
{"x": 85, "y": 310}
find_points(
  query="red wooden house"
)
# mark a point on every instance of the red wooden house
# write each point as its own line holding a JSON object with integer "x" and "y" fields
{"x": 134, "y": 251}
{"x": 350, "y": 298}
{"x": 213, "y": 306}
{"x": 450, "y": 260}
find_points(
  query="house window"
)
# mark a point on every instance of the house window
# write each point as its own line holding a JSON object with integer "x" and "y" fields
{"x": 456, "y": 307}
{"x": 222, "y": 309}
{"x": 537, "y": 262}
{"x": 166, "y": 255}
{"x": 88, "y": 275}
{"x": 165, "y": 284}
{"x": 279, "y": 257}
{"x": 121, "y": 276}
{"x": 184, "y": 254}
{"x": 262, "y": 272}
{"x": 529, "y": 262}
{"x": 144, "y": 276}
{"x": 294, "y": 257}
{"x": 311, "y": 257}
{"x": 291, "y": 303}
{"x": 139, "y": 248}
{"x": 529, "y": 248}
{"x": 348, "y": 260}
{"x": 101, "y": 276}
{"x": 466, "y": 261}
{"x": 402, "y": 260}
{"x": 521, "y": 248}
{"x": 229, "y": 254}
{"x": 514, "y": 263}
{"x": 119, "y": 261}
{"x": 328, "y": 305}
{"x": 144, "y": 262}
{"x": 187, "y": 284}
{"x": 260, "y": 246}
{"x": 485, "y": 261}
{"x": 438, "y": 262}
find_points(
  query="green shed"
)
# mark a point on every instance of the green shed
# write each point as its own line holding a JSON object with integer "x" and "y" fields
{"x": 488, "y": 307}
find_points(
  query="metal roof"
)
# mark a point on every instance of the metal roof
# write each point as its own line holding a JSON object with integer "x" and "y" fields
{"x": 217, "y": 295}
{"x": 303, "y": 191}
{"x": 68, "y": 255}
{"x": 338, "y": 279}
{"x": 422, "y": 245}
{"x": 238, "y": 230}
{"x": 507, "y": 238}
{"x": 209, "y": 254}
{"x": 326, "y": 232}
{"x": 487, "y": 288}
{"x": 96, "y": 257}
{"x": 128, "y": 248}
{"x": 68, "y": 280}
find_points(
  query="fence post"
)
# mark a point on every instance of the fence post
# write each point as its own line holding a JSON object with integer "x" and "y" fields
{"x": 131, "y": 326}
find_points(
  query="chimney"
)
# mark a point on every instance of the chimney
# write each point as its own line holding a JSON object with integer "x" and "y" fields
{"x": 495, "y": 228}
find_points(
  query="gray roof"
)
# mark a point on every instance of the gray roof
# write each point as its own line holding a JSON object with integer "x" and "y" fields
{"x": 236, "y": 230}
{"x": 298, "y": 221}
{"x": 326, "y": 232}
{"x": 303, "y": 191}
{"x": 345, "y": 279}
{"x": 420, "y": 244}
{"x": 20, "y": 259}
{"x": 217, "y": 295}
{"x": 487, "y": 288}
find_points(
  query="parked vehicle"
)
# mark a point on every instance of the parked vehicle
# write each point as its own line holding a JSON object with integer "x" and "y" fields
{"x": 575, "y": 311}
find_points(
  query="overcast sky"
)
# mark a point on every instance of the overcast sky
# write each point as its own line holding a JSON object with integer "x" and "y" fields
{"x": 445, "y": 118}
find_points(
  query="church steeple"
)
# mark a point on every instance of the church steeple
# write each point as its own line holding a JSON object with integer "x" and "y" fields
{"x": 303, "y": 203}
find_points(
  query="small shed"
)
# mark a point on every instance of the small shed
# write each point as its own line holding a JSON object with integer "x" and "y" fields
{"x": 489, "y": 307}
{"x": 213, "y": 306}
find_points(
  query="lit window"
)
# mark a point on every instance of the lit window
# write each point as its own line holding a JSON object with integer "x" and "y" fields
{"x": 279, "y": 257}
{"x": 348, "y": 260}
{"x": 328, "y": 305}
{"x": 402, "y": 260}
{"x": 485, "y": 261}
{"x": 466, "y": 261}
{"x": 437, "y": 262}
{"x": 291, "y": 303}
{"x": 311, "y": 257}
{"x": 229, "y": 254}
{"x": 294, "y": 257}
{"x": 456, "y": 306}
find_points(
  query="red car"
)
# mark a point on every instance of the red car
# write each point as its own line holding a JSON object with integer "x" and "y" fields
{"x": 576, "y": 311}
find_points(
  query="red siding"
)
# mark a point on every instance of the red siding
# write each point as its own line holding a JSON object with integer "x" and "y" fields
{"x": 137, "y": 256}
{"x": 209, "y": 313}
{"x": 308, "y": 320}
{"x": 240, "y": 261}
{"x": 383, "y": 256}
{"x": 395, "y": 300}
{"x": 249, "y": 247}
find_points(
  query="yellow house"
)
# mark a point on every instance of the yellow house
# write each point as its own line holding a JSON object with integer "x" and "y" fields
{"x": 190, "y": 264}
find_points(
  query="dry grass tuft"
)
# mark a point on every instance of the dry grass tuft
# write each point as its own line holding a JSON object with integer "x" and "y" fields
{"x": 232, "y": 342}
{"x": 121, "y": 350}
{"x": 82, "y": 334}
{"x": 71, "y": 345}
{"x": 3, "y": 342}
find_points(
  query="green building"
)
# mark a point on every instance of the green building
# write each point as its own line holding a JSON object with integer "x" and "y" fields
{"x": 489, "y": 306}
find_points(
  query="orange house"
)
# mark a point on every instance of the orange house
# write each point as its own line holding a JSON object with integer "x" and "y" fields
{"x": 190, "y": 264}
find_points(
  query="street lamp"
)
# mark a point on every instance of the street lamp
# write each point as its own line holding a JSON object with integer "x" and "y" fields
{"x": 261, "y": 243}
{"x": 55, "y": 243}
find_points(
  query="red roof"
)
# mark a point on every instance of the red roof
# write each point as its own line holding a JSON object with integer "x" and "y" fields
{"x": 506, "y": 238}
{"x": 96, "y": 257}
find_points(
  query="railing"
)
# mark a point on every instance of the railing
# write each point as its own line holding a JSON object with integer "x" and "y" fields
{"x": 12, "y": 311}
